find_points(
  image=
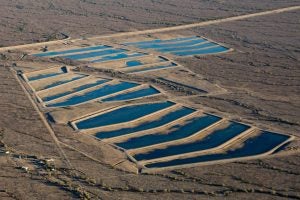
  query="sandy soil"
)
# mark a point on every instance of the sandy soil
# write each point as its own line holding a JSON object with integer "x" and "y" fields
{"x": 261, "y": 77}
{"x": 28, "y": 21}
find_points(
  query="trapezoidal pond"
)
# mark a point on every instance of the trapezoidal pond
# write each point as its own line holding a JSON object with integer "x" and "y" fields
{"x": 180, "y": 131}
{"x": 123, "y": 114}
{"x": 34, "y": 76}
{"x": 255, "y": 145}
{"x": 212, "y": 140}
{"x": 147, "y": 124}
{"x": 144, "y": 92}
{"x": 93, "y": 94}
{"x": 60, "y": 80}
{"x": 71, "y": 51}
{"x": 73, "y": 90}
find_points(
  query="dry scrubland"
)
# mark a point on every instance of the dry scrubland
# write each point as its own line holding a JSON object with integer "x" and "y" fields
{"x": 262, "y": 78}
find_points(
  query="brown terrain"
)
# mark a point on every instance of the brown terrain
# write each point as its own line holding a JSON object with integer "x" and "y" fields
{"x": 259, "y": 85}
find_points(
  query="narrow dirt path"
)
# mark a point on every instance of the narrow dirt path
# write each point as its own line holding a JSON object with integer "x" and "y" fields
{"x": 206, "y": 23}
{"x": 160, "y": 30}
{"x": 44, "y": 120}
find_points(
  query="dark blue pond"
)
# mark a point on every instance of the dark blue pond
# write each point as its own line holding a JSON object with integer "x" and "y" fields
{"x": 57, "y": 53}
{"x": 77, "y": 89}
{"x": 251, "y": 147}
{"x": 134, "y": 94}
{"x": 123, "y": 114}
{"x": 213, "y": 50}
{"x": 149, "y": 124}
{"x": 42, "y": 76}
{"x": 133, "y": 63}
{"x": 94, "y": 54}
{"x": 176, "y": 132}
{"x": 94, "y": 94}
{"x": 64, "y": 81}
{"x": 212, "y": 140}
{"x": 118, "y": 56}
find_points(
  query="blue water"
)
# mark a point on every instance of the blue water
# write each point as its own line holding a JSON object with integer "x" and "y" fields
{"x": 94, "y": 94}
{"x": 153, "y": 68}
{"x": 148, "y": 125}
{"x": 172, "y": 45}
{"x": 94, "y": 54}
{"x": 123, "y": 114}
{"x": 118, "y": 56}
{"x": 160, "y": 41}
{"x": 187, "y": 48}
{"x": 56, "y": 53}
{"x": 212, "y": 140}
{"x": 42, "y": 76}
{"x": 77, "y": 89}
{"x": 133, "y": 63}
{"x": 176, "y": 132}
{"x": 64, "y": 81}
{"x": 251, "y": 147}
{"x": 134, "y": 94}
{"x": 217, "y": 49}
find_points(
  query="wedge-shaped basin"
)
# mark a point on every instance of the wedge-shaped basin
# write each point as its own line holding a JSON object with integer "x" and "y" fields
{"x": 123, "y": 114}
{"x": 155, "y": 67}
{"x": 165, "y": 119}
{"x": 76, "y": 89}
{"x": 213, "y": 50}
{"x": 63, "y": 81}
{"x": 133, "y": 95}
{"x": 47, "y": 74}
{"x": 212, "y": 140}
{"x": 176, "y": 132}
{"x": 259, "y": 144}
{"x": 158, "y": 41}
{"x": 94, "y": 54}
{"x": 94, "y": 94}
{"x": 172, "y": 45}
{"x": 71, "y": 51}
{"x": 187, "y": 48}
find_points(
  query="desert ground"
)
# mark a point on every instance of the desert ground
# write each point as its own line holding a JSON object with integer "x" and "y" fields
{"x": 258, "y": 83}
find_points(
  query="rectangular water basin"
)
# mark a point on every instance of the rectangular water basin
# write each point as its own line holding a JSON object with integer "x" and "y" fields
{"x": 123, "y": 114}
{"x": 165, "y": 119}
{"x": 212, "y": 140}
{"x": 256, "y": 145}
{"x": 176, "y": 132}
{"x": 135, "y": 63}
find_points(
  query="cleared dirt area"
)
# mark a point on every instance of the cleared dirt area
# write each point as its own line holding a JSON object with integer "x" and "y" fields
{"x": 258, "y": 83}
